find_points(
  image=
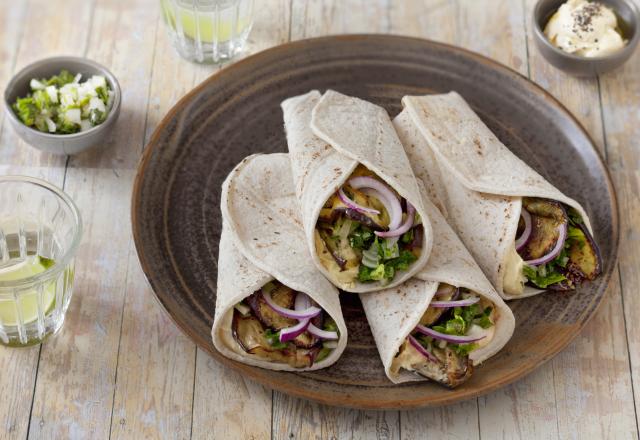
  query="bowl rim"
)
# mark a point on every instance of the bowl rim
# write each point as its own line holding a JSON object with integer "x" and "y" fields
{"x": 110, "y": 77}
{"x": 624, "y": 53}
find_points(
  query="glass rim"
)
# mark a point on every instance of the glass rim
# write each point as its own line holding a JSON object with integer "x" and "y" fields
{"x": 61, "y": 263}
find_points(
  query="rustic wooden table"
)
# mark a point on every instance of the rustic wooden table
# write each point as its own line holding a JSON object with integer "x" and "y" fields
{"x": 121, "y": 369}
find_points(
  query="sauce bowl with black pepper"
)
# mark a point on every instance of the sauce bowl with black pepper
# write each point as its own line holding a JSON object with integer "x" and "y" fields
{"x": 628, "y": 25}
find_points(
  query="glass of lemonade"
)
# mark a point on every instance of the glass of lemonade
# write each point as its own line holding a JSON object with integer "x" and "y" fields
{"x": 40, "y": 229}
{"x": 208, "y": 31}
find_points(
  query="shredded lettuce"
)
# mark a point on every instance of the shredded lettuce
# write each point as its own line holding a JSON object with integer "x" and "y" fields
{"x": 541, "y": 277}
{"x": 407, "y": 237}
{"x": 361, "y": 238}
{"x": 463, "y": 349}
{"x": 574, "y": 217}
{"x": 387, "y": 269}
{"x": 403, "y": 261}
{"x": 462, "y": 318}
{"x": 323, "y": 353}
{"x": 330, "y": 325}
{"x": 459, "y": 321}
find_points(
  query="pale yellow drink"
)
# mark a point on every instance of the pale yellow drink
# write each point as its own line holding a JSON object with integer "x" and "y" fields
{"x": 27, "y": 304}
{"x": 208, "y": 30}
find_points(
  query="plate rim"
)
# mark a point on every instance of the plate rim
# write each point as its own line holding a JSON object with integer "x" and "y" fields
{"x": 262, "y": 376}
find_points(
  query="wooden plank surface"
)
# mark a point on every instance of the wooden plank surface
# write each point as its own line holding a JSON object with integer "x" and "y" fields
{"x": 247, "y": 412}
{"x": 120, "y": 369}
{"x": 592, "y": 380}
{"x": 76, "y": 378}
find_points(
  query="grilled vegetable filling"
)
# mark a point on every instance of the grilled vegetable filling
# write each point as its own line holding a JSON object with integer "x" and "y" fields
{"x": 263, "y": 327}
{"x": 366, "y": 232}
{"x": 556, "y": 246}
{"x": 456, "y": 322}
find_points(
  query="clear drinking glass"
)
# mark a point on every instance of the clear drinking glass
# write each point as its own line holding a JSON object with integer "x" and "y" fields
{"x": 208, "y": 31}
{"x": 40, "y": 229}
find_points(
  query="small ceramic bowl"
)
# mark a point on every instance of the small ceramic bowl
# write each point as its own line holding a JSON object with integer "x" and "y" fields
{"x": 60, "y": 143}
{"x": 628, "y": 21}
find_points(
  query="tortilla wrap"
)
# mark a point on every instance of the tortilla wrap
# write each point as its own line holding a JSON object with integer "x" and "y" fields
{"x": 475, "y": 180}
{"x": 393, "y": 313}
{"x": 328, "y": 138}
{"x": 263, "y": 240}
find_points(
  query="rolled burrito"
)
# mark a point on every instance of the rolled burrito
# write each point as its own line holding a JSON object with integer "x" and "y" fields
{"x": 361, "y": 208}
{"x": 273, "y": 308}
{"x": 525, "y": 234}
{"x": 444, "y": 321}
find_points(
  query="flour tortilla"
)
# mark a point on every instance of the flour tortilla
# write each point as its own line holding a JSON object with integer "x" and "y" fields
{"x": 393, "y": 313}
{"x": 262, "y": 240}
{"x": 476, "y": 181}
{"x": 328, "y": 136}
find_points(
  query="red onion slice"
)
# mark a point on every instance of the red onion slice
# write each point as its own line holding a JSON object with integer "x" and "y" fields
{"x": 289, "y": 333}
{"x": 322, "y": 334}
{"x": 309, "y": 312}
{"x": 448, "y": 304}
{"x": 448, "y": 338}
{"x": 528, "y": 228}
{"x": 384, "y": 194}
{"x": 411, "y": 213}
{"x": 423, "y": 351}
{"x": 562, "y": 236}
{"x": 353, "y": 205}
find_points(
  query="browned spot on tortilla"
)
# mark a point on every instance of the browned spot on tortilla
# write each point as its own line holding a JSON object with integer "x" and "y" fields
{"x": 478, "y": 145}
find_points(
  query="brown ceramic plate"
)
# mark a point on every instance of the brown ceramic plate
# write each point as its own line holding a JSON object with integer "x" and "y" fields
{"x": 176, "y": 198}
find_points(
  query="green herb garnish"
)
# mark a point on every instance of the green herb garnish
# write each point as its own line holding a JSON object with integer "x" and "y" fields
{"x": 273, "y": 338}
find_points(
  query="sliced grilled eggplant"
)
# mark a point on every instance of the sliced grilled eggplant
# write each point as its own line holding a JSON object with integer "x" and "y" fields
{"x": 545, "y": 208}
{"x": 451, "y": 370}
{"x": 332, "y": 247}
{"x": 335, "y": 207}
{"x": 283, "y": 296}
{"x": 458, "y": 368}
{"x": 249, "y": 333}
{"x": 305, "y": 340}
{"x": 547, "y": 215}
{"x": 343, "y": 254}
{"x": 584, "y": 256}
{"x": 418, "y": 236}
{"x": 362, "y": 218}
{"x": 346, "y": 275}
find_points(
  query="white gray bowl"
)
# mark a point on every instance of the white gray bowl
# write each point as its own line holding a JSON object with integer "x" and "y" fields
{"x": 628, "y": 19}
{"x": 60, "y": 143}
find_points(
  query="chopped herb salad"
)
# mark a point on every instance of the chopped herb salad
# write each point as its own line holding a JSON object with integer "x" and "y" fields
{"x": 65, "y": 104}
